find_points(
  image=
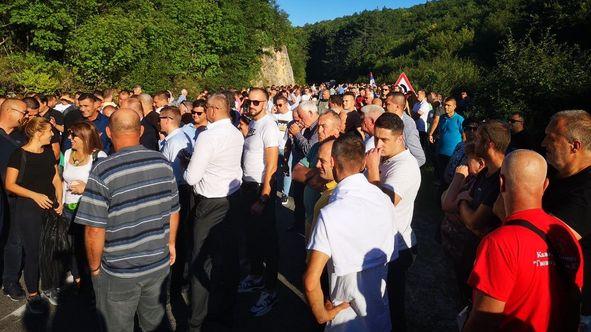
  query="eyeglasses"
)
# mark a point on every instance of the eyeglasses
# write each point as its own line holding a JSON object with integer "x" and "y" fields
{"x": 165, "y": 117}
{"x": 256, "y": 102}
{"x": 198, "y": 113}
{"x": 514, "y": 120}
{"x": 24, "y": 113}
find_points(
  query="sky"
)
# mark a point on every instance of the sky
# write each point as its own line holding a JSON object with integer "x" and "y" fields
{"x": 312, "y": 11}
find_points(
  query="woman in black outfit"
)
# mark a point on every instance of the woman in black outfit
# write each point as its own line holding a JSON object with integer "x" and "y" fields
{"x": 38, "y": 188}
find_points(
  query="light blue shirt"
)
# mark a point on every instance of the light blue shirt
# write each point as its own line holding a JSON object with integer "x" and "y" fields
{"x": 170, "y": 147}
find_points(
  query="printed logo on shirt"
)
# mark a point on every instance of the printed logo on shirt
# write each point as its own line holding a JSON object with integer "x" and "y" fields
{"x": 251, "y": 132}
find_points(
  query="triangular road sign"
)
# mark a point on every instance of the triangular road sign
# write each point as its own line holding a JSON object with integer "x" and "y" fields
{"x": 404, "y": 83}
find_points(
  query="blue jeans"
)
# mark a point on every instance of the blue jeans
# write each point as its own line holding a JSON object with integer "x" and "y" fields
{"x": 284, "y": 180}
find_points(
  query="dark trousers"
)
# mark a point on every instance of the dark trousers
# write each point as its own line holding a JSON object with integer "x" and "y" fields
{"x": 28, "y": 215}
{"x": 442, "y": 161}
{"x": 214, "y": 261}
{"x": 424, "y": 139}
{"x": 118, "y": 300}
{"x": 396, "y": 287}
{"x": 13, "y": 249}
{"x": 262, "y": 242}
{"x": 183, "y": 237}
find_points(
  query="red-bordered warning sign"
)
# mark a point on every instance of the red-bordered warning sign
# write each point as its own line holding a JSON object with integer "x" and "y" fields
{"x": 404, "y": 83}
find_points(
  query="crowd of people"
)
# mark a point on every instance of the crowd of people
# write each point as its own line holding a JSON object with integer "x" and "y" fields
{"x": 167, "y": 196}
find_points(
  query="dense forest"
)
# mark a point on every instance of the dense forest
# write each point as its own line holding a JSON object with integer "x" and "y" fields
{"x": 161, "y": 44}
{"x": 511, "y": 55}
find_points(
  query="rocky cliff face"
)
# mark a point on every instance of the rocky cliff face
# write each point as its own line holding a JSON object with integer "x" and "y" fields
{"x": 275, "y": 68}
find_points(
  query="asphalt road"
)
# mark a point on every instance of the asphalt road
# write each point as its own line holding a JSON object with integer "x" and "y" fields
{"x": 430, "y": 300}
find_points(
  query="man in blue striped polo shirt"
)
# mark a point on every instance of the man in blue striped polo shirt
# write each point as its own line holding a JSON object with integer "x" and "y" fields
{"x": 131, "y": 211}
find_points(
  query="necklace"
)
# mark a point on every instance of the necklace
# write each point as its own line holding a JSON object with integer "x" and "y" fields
{"x": 77, "y": 162}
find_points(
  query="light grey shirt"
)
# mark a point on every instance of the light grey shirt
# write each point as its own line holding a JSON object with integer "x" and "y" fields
{"x": 411, "y": 137}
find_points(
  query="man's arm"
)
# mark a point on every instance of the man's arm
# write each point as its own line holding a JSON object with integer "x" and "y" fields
{"x": 433, "y": 127}
{"x": 474, "y": 219}
{"x": 486, "y": 314}
{"x": 204, "y": 150}
{"x": 271, "y": 158}
{"x": 303, "y": 143}
{"x": 372, "y": 163}
{"x": 323, "y": 312}
{"x": 95, "y": 243}
{"x": 173, "y": 226}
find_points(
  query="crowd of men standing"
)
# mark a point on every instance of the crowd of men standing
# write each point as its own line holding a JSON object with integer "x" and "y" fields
{"x": 184, "y": 194}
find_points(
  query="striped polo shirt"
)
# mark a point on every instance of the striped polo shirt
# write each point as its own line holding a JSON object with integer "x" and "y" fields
{"x": 131, "y": 194}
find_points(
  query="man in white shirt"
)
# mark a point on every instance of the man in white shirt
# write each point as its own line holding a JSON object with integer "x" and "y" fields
{"x": 420, "y": 112}
{"x": 283, "y": 115}
{"x": 257, "y": 194}
{"x": 392, "y": 167}
{"x": 370, "y": 114}
{"x": 215, "y": 174}
{"x": 354, "y": 248}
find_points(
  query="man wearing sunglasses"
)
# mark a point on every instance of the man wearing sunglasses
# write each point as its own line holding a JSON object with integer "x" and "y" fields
{"x": 520, "y": 137}
{"x": 259, "y": 164}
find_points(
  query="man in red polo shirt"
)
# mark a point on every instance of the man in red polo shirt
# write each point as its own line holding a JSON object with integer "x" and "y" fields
{"x": 519, "y": 285}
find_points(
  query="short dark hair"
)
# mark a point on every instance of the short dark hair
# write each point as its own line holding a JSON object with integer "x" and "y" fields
{"x": 256, "y": 88}
{"x": 162, "y": 94}
{"x": 497, "y": 132}
{"x": 280, "y": 97}
{"x": 200, "y": 103}
{"x": 391, "y": 122}
{"x": 349, "y": 93}
{"x": 84, "y": 96}
{"x": 42, "y": 98}
{"x": 337, "y": 100}
{"x": 348, "y": 151}
{"x": 31, "y": 102}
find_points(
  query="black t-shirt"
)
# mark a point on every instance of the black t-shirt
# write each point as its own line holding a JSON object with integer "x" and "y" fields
{"x": 59, "y": 120}
{"x": 570, "y": 200}
{"x": 153, "y": 118}
{"x": 521, "y": 140}
{"x": 7, "y": 147}
{"x": 39, "y": 170}
{"x": 485, "y": 191}
{"x": 149, "y": 138}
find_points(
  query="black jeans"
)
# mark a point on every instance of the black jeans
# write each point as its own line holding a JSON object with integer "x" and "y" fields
{"x": 214, "y": 261}
{"x": 28, "y": 215}
{"x": 396, "y": 287}
{"x": 183, "y": 238}
{"x": 118, "y": 300}
{"x": 13, "y": 248}
{"x": 261, "y": 235}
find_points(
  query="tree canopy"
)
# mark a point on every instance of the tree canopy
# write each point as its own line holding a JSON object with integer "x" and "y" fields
{"x": 160, "y": 44}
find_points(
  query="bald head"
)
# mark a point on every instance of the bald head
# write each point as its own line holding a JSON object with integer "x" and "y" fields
{"x": 523, "y": 180}
{"x": 10, "y": 103}
{"x": 133, "y": 104}
{"x": 124, "y": 122}
{"x": 12, "y": 113}
{"x": 147, "y": 102}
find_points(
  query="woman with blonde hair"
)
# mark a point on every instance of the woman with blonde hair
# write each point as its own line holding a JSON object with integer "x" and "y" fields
{"x": 32, "y": 176}
{"x": 77, "y": 163}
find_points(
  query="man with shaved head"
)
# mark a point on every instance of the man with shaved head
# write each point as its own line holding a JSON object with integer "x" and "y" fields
{"x": 128, "y": 195}
{"x": 528, "y": 273}
{"x": 215, "y": 174}
{"x": 12, "y": 113}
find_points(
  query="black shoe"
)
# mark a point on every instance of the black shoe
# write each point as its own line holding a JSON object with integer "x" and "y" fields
{"x": 284, "y": 200}
{"x": 36, "y": 304}
{"x": 14, "y": 291}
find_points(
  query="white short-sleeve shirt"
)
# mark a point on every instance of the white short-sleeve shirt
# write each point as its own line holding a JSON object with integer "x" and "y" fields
{"x": 357, "y": 232}
{"x": 401, "y": 174}
{"x": 262, "y": 134}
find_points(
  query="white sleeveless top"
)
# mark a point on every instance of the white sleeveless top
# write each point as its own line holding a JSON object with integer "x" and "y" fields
{"x": 73, "y": 173}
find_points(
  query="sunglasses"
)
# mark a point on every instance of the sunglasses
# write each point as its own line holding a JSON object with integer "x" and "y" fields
{"x": 256, "y": 102}
{"x": 514, "y": 121}
{"x": 72, "y": 134}
{"x": 198, "y": 113}
{"x": 280, "y": 105}
{"x": 471, "y": 128}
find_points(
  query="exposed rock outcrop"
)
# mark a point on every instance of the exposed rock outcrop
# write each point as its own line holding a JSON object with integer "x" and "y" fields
{"x": 275, "y": 68}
